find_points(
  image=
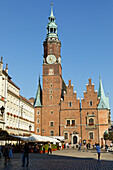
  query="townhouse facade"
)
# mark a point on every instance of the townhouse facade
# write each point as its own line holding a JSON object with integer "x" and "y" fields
{"x": 18, "y": 116}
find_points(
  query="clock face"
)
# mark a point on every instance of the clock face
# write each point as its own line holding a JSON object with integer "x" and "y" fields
{"x": 51, "y": 59}
{"x": 59, "y": 60}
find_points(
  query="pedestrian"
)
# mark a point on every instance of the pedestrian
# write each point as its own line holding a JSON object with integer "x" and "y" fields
{"x": 93, "y": 146}
{"x": 0, "y": 151}
{"x": 84, "y": 148}
{"x": 87, "y": 145}
{"x": 49, "y": 149}
{"x": 10, "y": 151}
{"x": 6, "y": 153}
{"x": 66, "y": 145}
{"x": 98, "y": 151}
{"x": 79, "y": 147}
{"x": 26, "y": 155}
{"x": 60, "y": 145}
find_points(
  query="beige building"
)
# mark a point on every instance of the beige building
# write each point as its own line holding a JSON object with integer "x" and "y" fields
{"x": 18, "y": 116}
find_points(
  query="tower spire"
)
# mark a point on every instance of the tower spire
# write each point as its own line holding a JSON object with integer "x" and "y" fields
{"x": 51, "y": 26}
{"x": 104, "y": 101}
{"x": 52, "y": 10}
{"x": 38, "y": 99}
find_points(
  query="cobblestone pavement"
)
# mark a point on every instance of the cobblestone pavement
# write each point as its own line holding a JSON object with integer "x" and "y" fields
{"x": 62, "y": 160}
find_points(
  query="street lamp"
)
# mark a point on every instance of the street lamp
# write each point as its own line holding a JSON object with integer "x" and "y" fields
{"x": 30, "y": 128}
{"x": 2, "y": 110}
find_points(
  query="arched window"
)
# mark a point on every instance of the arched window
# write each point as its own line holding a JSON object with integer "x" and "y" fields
{"x": 52, "y": 133}
{"x": 38, "y": 121}
{"x": 90, "y": 135}
{"x": 51, "y": 30}
{"x": 38, "y": 112}
{"x": 90, "y": 103}
{"x": 91, "y": 121}
{"x": 70, "y": 104}
{"x": 37, "y": 130}
{"x": 65, "y": 135}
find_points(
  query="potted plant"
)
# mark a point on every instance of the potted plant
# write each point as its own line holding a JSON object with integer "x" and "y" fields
{"x": 41, "y": 149}
{"x": 46, "y": 148}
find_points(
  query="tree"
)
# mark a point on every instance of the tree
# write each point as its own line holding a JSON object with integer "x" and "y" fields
{"x": 111, "y": 136}
{"x": 106, "y": 136}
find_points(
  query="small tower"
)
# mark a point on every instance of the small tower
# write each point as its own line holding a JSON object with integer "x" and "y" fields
{"x": 38, "y": 99}
{"x": 1, "y": 69}
{"x": 38, "y": 110}
{"x": 104, "y": 101}
{"x": 104, "y": 118}
{"x": 1, "y": 66}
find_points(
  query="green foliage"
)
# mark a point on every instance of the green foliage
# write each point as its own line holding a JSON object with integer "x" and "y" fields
{"x": 41, "y": 148}
{"x": 46, "y": 146}
{"x": 111, "y": 136}
{"x": 53, "y": 146}
{"x": 106, "y": 136}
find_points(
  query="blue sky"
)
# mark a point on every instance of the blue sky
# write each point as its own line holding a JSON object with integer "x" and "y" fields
{"x": 85, "y": 29}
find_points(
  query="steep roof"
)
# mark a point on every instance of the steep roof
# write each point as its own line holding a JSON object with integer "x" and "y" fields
{"x": 38, "y": 99}
{"x": 104, "y": 101}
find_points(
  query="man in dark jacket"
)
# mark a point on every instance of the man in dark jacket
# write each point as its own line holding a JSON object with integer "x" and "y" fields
{"x": 26, "y": 155}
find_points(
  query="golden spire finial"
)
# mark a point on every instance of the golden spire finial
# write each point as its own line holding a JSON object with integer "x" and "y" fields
{"x": 51, "y": 2}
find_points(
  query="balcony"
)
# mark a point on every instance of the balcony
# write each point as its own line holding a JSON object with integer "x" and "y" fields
{"x": 68, "y": 125}
{"x": 91, "y": 126}
{"x": 72, "y": 124}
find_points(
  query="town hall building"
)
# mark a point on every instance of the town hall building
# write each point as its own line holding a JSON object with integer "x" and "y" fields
{"x": 58, "y": 111}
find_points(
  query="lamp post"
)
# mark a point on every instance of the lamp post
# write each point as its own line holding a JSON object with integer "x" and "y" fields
{"x": 43, "y": 131}
{"x": 30, "y": 128}
{"x": 1, "y": 115}
{"x": 2, "y": 111}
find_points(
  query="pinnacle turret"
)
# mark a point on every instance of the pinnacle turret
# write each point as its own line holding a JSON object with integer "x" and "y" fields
{"x": 38, "y": 99}
{"x": 104, "y": 101}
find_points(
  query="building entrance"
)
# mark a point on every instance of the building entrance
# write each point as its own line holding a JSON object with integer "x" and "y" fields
{"x": 74, "y": 139}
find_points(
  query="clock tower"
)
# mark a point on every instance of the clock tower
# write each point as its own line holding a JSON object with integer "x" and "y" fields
{"x": 52, "y": 80}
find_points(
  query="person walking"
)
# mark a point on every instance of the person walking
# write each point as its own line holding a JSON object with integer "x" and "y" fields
{"x": 26, "y": 155}
{"x": 6, "y": 153}
{"x": 10, "y": 152}
{"x": 98, "y": 151}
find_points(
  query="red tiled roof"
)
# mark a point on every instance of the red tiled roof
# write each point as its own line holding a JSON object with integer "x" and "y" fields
{"x": 23, "y": 98}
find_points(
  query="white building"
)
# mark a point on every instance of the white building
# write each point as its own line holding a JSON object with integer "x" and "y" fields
{"x": 18, "y": 116}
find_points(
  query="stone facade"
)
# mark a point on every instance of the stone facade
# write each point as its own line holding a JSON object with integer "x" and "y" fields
{"x": 19, "y": 112}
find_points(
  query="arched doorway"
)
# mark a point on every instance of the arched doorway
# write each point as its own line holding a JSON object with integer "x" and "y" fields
{"x": 74, "y": 139}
